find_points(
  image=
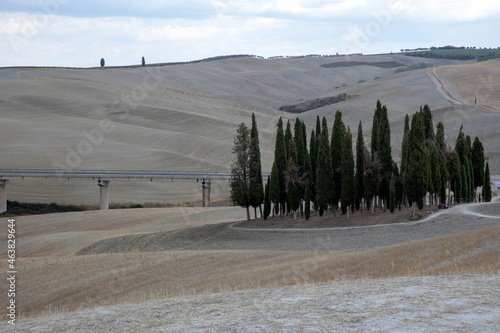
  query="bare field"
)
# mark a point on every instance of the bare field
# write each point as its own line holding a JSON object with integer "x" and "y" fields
{"x": 52, "y": 279}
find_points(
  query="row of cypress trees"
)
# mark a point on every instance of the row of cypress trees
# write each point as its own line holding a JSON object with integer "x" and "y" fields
{"x": 326, "y": 174}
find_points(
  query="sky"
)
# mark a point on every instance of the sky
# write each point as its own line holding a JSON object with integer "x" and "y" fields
{"x": 77, "y": 33}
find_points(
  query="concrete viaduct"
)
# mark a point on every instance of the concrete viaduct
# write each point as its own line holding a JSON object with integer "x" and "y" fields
{"x": 104, "y": 177}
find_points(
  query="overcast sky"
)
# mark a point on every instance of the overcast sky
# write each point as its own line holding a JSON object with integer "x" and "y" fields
{"x": 79, "y": 33}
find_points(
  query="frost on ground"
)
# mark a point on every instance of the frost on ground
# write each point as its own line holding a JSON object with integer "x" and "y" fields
{"x": 468, "y": 303}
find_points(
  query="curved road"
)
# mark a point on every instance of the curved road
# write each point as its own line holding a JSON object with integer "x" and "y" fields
{"x": 226, "y": 236}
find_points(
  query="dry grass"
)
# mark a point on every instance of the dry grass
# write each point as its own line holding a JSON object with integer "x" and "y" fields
{"x": 49, "y": 285}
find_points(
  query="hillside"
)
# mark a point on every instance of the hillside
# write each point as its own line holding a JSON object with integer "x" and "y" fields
{"x": 184, "y": 116}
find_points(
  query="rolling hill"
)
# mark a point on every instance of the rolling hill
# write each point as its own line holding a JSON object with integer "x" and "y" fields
{"x": 183, "y": 117}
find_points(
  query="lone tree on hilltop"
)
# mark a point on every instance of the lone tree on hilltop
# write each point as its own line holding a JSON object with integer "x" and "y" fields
{"x": 240, "y": 180}
{"x": 143, "y": 62}
{"x": 102, "y": 62}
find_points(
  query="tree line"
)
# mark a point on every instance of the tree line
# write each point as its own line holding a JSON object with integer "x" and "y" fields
{"x": 324, "y": 175}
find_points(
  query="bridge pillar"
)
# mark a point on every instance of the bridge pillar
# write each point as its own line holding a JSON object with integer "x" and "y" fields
{"x": 3, "y": 195}
{"x": 208, "y": 189}
{"x": 203, "y": 187}
{"x": 104, "y": 195}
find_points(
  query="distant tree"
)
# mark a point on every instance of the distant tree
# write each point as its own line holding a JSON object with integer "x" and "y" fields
{"x": 360, "y": 165}
{"x": 486, "y": 184}
{"x": 102, "y": 62}
{"x": 143, "y": 62}
{"x": 348, "y": 185}
{"x": 392, "y": 193}
{"x": 325, "y": 184}
{"x": 267, "y": 201}
{"x": 307, "y": 209}
{"x": 478, "y": 163}
{"x": 240, "y": 180}
{"x": 255, "y": 169}
{"x": 417, "y": 170}
{"x": 336, "y": 147}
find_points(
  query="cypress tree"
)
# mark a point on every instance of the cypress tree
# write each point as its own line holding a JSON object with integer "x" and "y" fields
{"x": 478, "y": 163}
{"x": 288, "y": 137}
{"x": 375, "y": 128}
{"x": 348, "y": 185}
{"x": 299, "y": 143}
{"x": 472, "y": 190}
{"x": 486, "y": 184}
{"x": 384, "y": 154}
{"x": 293, "y": 193}
{"x": 460, "y": 145}
{"x": 102, "y": 62}
{"x": 429, "y": 127}
{"x": 445, "y": 176}
{"x": 465, "y": 184}
{"x": 325, "y": 184}
{"x": 459, "y": 188}
{"x": 392, "y": 193}
{"x": 255, "y": 169}
{"x": 468, "y": 147}
{"x": 318, "y": 127}
{"x": 336, "y": 146}
{"x": 239, "y": 183}
{"x": 313, "y": 154}
{"x": 267, "y": 201}
{"x": 360, "y": 165}
{"x": 454, "y": 169}
{"x": 417, "y": 171}
{"x": 404, "y": 145}
{"x": 274, "y": 188}
{"x": 371, "y": 178}
{"x": 143, "y": 62}
{"x": 307, "y": 210}
{"x": 436, "y": 184}
{"x": 440, "y": 141}
{"x": 280, "y": 158}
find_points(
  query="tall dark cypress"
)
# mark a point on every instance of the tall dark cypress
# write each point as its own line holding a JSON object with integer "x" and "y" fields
{"x": 429, "y": 127}
{"x": 416, "y": 175}
{"x": 288, "y": 137}
{"x": 375, "y": 128}
{"x": 336, "y": 147}
{"x": 325, "y": 184}
{"x": 460, "y": 146}
{"x": 478, "y": 163}
{"x": 404, "y": 146}
{"x": 384, "y": 154}
{"x": 280, "y": 158}
{"x": 348, "y": 185}
{"x": 255, "y": 169}
{"x": 313, "y": 155}
{"x": 267, "y": 201}
{"x": 360, "y": 163}
{"x": 486, "y": 184}
{"x": 307, "y": 209}
{"x": 318, "y": 127}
